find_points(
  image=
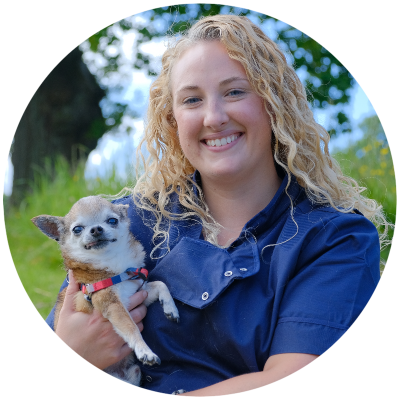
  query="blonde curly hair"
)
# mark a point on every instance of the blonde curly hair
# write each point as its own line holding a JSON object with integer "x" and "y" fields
{"x": 299, "y": 144}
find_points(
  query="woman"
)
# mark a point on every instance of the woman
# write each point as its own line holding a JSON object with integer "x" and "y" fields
{"x": 268, "y": 250}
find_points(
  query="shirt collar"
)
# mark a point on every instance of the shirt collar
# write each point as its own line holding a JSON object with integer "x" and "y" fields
{"x": 279, "y": 205}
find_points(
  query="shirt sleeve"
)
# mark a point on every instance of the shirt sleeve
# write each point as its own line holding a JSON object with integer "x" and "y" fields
{"x": 337, "y": 273}
{"x": 50, "y": 317}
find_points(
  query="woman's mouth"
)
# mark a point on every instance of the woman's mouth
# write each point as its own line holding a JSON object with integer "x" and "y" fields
{"x": 223, "y": 141}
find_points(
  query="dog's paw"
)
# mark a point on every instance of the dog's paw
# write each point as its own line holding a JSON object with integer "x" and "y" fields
{"x": 170, "y": 310}
{"x": 180, "y": 391}
{"x": 172, "y": 317}
{"x": 150, "y": 359}
{"x": 146, "y": 356}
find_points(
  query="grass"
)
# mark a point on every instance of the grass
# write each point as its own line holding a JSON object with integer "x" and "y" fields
{"x": 370, "y": 163}
{"x": 36, "y": 257}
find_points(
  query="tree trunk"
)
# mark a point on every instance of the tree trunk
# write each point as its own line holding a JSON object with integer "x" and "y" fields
{"x": 63, "y": 115}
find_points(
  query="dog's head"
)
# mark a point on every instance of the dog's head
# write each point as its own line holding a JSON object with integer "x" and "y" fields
{"x": 91, "y": 227}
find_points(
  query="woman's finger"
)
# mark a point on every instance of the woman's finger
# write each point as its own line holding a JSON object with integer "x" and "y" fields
{"x": 137, "y": 299}
{"x": 70, "y": 293}
{"x": 138, "y": 313}
{"x": 137, "y": 309}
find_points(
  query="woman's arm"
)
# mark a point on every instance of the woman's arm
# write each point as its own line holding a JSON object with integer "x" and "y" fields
{"x": 277, "y": 367}
{"x": 91, "y": 335}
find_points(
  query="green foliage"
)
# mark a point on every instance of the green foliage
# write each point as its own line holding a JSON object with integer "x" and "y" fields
{"x": 36, "y": 257}
{"x": 327, "y": 80}
{"x": 96, "y": 129}
{"x": 94, "y": 40}
{"x": 370, "y": 163}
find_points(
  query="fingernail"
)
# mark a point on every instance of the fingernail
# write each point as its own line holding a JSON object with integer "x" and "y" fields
{"x": 144, "y": 293}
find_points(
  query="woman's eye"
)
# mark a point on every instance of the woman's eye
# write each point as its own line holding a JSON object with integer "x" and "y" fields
{"x": 77, "y": 230}
{"x": 112, "y": 221}
{"x": 235, "y": 92}
{"x": 192, "y": 100}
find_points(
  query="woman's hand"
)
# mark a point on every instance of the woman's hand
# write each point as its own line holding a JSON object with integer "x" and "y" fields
{"x": 91, "y": 335}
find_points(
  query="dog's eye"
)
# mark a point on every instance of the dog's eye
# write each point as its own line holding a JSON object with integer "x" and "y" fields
{"x": 112, "y": 221}
{"x": 77, "y": 230}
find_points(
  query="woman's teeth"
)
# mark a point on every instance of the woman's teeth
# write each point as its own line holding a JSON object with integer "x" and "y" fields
{"x": 222, "y": 142}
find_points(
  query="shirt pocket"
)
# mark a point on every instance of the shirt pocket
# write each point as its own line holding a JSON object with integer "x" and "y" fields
{"x": 196, "y": 272}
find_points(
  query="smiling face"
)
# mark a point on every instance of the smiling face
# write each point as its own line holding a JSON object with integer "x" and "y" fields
{"x": 224, "y": 129}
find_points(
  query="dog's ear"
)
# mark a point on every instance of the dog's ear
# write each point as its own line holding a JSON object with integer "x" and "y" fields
{"x": 122, "y": 210}
{"x": 51, "y": 226}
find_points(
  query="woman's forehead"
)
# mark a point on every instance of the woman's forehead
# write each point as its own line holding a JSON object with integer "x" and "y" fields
{"x": 205, "y": 60}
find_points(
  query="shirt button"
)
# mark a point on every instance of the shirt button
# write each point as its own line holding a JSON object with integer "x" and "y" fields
{"x": 204, "y": 296}
{"x": 243, "y": 269}
{"x": 149, "y": 378}
{"x": 228, "y": 273}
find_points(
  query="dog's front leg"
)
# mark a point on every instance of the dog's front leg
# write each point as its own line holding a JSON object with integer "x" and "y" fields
{"x": 159, "y": 291}
{"x": 108, "y": 303}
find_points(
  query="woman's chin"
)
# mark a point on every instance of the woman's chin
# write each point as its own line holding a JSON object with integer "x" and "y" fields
{"x": 223, "y": 173}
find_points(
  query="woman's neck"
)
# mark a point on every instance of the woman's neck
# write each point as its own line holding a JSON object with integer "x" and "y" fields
{"x": 233, "y": 203}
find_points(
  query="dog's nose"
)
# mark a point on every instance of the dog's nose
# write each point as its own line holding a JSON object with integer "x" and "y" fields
{"x": 96, "y": 231}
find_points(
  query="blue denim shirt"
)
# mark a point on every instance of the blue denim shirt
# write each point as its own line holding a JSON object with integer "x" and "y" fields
{"x": 279, "y": 288}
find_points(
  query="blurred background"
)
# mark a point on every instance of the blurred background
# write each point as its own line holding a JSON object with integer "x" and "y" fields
{"x": 79, "y": 133}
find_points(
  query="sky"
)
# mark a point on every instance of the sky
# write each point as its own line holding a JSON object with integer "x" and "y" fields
{"x": 116, "y": 149}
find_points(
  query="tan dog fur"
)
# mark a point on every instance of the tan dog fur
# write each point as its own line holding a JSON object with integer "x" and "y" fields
{"x": 99, "y": 251}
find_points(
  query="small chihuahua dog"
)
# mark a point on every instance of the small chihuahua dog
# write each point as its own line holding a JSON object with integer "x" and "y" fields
{"x": 96, "y": 245}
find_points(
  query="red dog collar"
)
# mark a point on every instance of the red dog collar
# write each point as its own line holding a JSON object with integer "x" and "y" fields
{"x": 129, "y": 274}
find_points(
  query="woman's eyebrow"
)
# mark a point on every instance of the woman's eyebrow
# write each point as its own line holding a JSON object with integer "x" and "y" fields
{"x": 232, "y": 79}
{"x": 222, "y": 83}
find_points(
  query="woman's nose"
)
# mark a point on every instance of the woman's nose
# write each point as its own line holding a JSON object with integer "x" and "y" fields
{"x": 215, "y": 115}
